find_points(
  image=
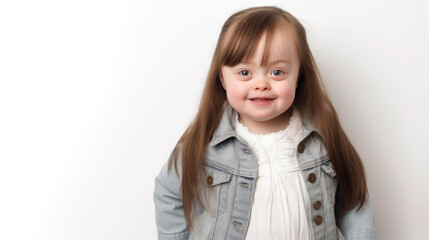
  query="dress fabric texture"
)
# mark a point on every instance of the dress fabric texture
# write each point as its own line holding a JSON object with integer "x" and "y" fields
{"x": 280, "y": 208}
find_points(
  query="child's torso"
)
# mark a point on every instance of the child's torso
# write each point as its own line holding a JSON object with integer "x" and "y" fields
{"x": 280, "y": 208}
{"x": 232, "y": 176}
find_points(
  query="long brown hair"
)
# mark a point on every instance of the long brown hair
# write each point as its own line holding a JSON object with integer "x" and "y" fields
{"x": 237, "y": 41}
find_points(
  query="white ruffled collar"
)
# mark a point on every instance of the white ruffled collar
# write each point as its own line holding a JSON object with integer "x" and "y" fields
{"x": 277, "y": 147}
{"x": 291, "y": 131}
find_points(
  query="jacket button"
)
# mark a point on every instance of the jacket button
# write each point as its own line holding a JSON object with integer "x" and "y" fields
{"x": 312, "y": 178}
{"x": 317, "y": 205}
{"x": 301, "y": 148}
{"x": 318, "y": 220}
{"x": 210, "y": 180}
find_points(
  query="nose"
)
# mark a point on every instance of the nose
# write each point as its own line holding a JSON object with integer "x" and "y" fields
{"x": 262, "y": 84}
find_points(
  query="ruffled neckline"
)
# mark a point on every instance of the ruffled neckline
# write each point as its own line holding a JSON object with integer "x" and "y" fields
{"x": 275, "y": 152}
{"x": 291, "y": 130}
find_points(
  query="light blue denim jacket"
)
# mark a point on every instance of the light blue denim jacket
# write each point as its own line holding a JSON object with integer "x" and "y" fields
{"x": 227, "y": 191}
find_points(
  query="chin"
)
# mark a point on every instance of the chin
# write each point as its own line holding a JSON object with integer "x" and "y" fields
{"x": 262, "y": 118}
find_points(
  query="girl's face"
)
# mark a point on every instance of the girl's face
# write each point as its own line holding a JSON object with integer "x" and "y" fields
{"x": 263, "y": 94}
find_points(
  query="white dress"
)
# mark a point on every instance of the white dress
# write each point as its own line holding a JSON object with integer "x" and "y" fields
{"x": 281, "y": 206}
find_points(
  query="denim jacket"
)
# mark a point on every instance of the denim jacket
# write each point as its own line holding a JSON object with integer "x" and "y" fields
{"x": 228, "y": 186}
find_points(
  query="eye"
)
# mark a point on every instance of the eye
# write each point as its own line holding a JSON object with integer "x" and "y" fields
{"x": 244, "y": 73}
{"x": 277, "y": 72}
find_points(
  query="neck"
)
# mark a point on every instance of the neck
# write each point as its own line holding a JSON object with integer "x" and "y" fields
{"x": 264, "y": 127}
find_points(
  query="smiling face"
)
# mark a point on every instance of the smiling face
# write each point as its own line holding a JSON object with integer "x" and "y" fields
{"x": 262, "y": 95}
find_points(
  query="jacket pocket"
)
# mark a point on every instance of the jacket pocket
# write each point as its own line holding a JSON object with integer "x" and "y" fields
{"x": 213, "y": 182}
{"x": 215, "y": 185}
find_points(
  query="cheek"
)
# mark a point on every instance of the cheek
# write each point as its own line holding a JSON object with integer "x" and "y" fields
{"x": 291, "y": 91}
{"x": 236, "y": 92}
{"x": 288, "y": 91}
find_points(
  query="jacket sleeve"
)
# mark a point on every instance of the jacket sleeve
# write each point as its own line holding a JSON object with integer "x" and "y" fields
{"x": 358, "y": 225}
{"x": 167, "y": 196}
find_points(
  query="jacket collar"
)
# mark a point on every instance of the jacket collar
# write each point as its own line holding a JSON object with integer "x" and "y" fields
{"x": 226, "y": 128}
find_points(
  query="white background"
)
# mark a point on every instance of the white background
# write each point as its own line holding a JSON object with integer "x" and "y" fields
{"x": 95, "y": 94}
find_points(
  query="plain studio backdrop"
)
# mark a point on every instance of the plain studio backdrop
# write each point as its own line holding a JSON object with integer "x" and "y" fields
{"x": 95, "y": 94}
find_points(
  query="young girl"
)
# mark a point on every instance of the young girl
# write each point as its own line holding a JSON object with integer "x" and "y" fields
{"x": 265, "y": 157}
